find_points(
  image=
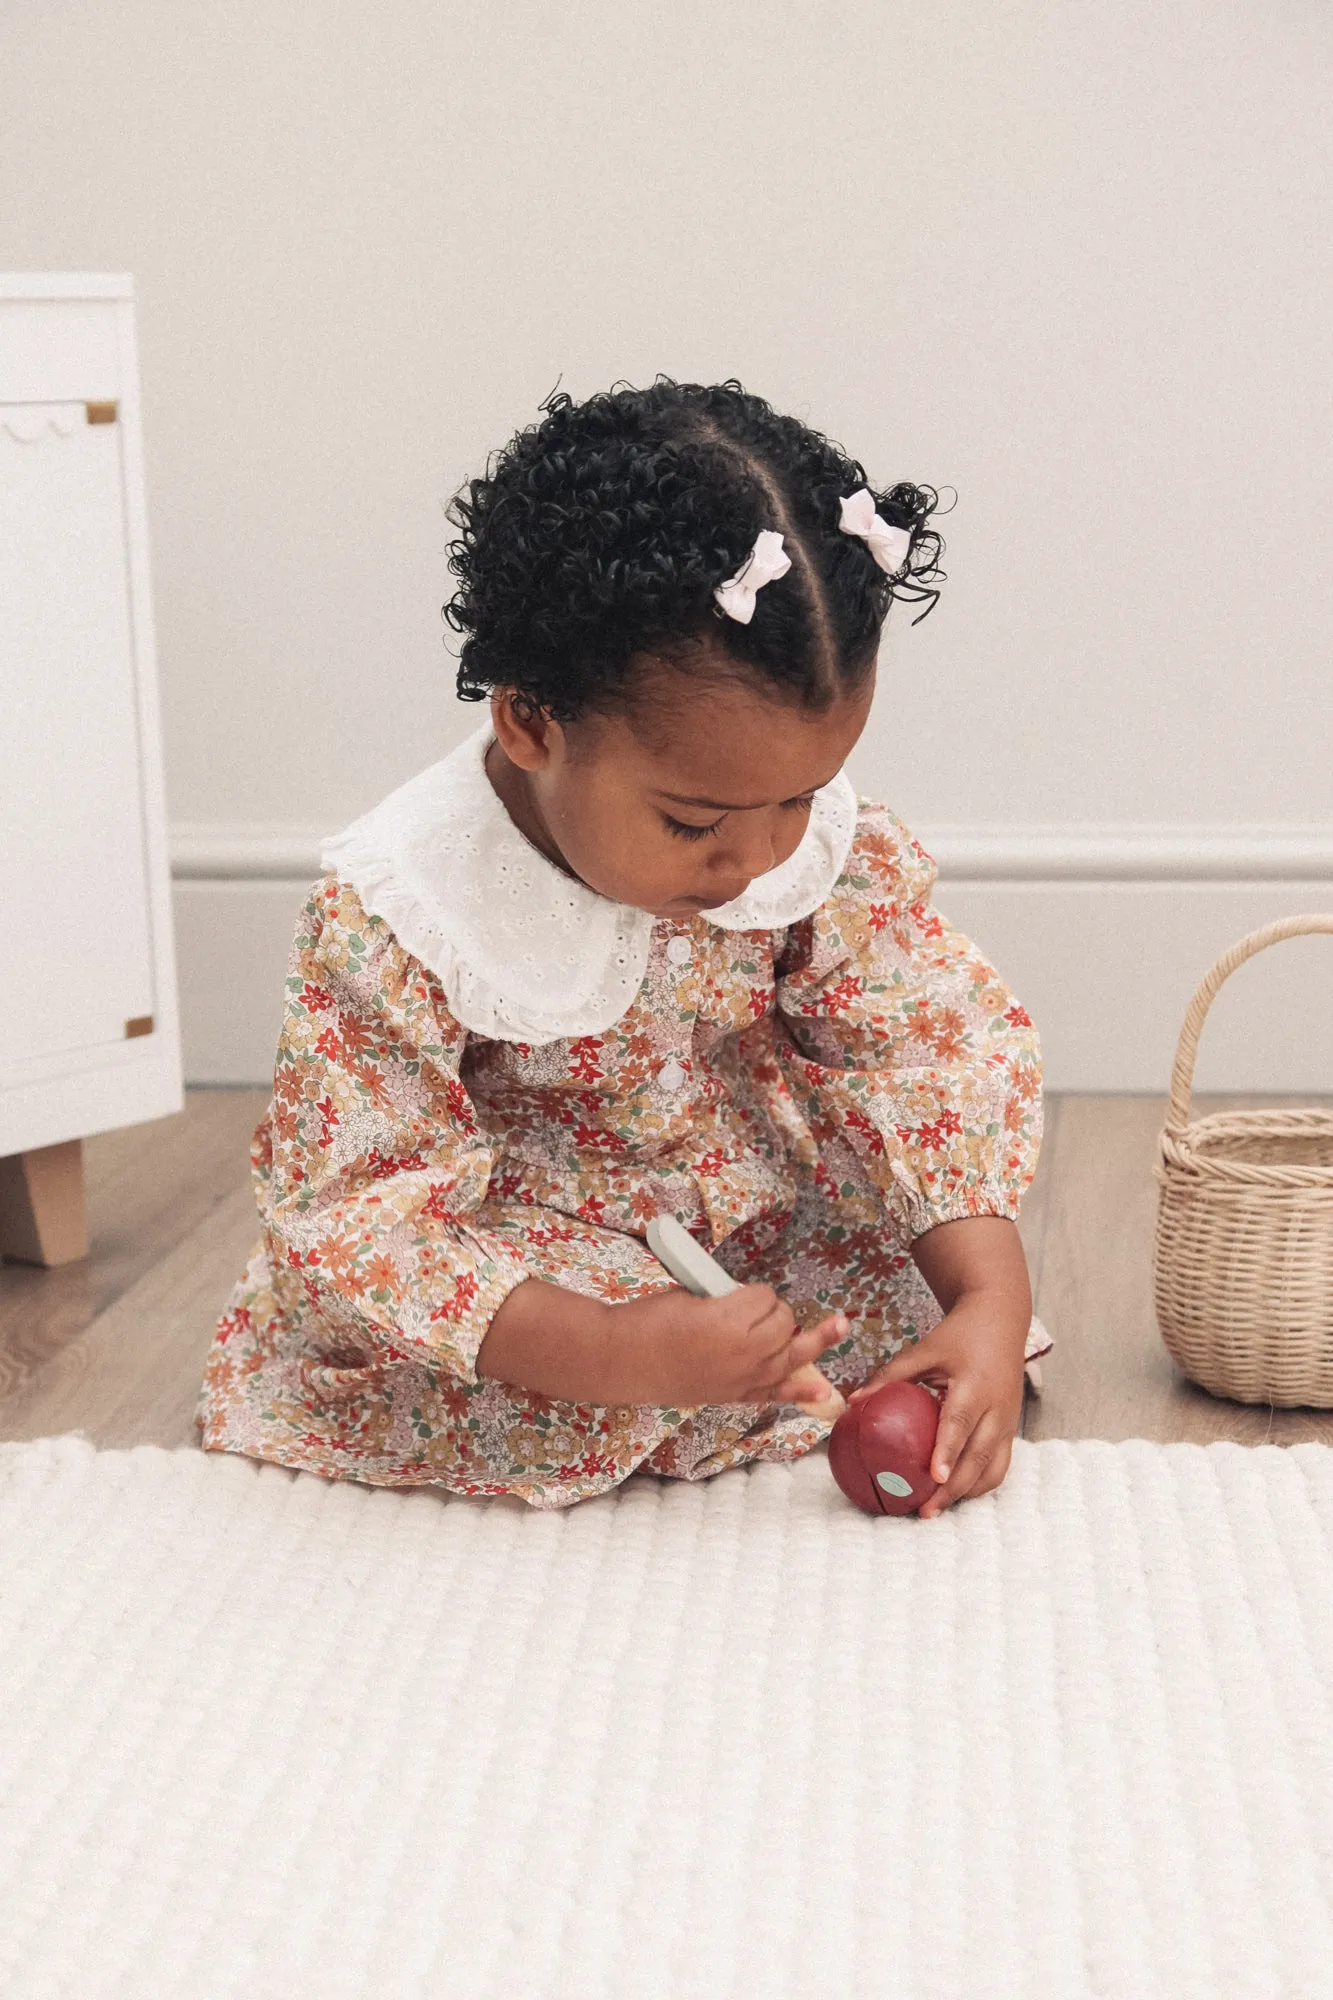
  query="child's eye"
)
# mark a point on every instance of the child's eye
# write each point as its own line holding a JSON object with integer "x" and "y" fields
{"x": 804, "y": 804}
{"x": 685, "y": 831}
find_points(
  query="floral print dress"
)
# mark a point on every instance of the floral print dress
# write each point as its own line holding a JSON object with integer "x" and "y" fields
{"x": 807, "y": 1097}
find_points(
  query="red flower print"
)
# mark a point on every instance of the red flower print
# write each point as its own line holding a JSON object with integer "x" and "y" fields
{"x": 465, "y": 1293}
{"x": 561, "y": 1232}
{"x": 381, "y": 1167}
{"x": 947, "y": 1126}
{"x": 847, "y": 990}
{"x": 584, "y": 1059}
{"x": 592, "y": 1465}
{"x": 460, "y": 1106}
{"x": 436, "y": 1205}
{"x": 872, "y": 1135}
{"x": 598, "y": 1138}
{"x": 314, "y": 999}
{"x": 1018, "y": 1017}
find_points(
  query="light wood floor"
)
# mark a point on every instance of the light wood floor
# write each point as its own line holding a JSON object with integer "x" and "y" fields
{"x": 114, "y": 1347}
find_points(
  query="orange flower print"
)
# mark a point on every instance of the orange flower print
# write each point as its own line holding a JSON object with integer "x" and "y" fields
{"x": 381, "y": 1273}
{"x": 338, "y": 1255}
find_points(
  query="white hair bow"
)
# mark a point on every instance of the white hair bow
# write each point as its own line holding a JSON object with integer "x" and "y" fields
{"x": 889, "y": 546}
{"x": 765, "y": 563}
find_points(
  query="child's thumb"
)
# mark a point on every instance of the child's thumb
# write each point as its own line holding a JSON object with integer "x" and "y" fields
{"x": 812, "y": 1392}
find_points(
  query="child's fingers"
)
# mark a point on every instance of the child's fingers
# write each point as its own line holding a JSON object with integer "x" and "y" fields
{"x": 831, "y": 1330}
{"x": 960, "y": 1413}
{"x": 808, "y": 1346}
{"x": 793, "y": 1378}
{"x": 974, "y": 1462}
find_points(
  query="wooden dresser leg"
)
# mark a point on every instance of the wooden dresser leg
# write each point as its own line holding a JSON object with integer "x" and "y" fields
{"x": 43, "y": 1219}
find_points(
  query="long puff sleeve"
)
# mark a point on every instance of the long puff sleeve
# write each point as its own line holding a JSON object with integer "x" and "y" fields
{"x": 372, "y": 1163}
{"x": 900, "y": 1038}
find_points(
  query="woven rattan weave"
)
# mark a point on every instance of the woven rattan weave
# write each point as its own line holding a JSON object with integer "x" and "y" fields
{"x": 1243, "y": 1261}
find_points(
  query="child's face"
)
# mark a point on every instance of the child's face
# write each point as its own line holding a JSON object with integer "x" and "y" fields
{"x": 674, "y": 809}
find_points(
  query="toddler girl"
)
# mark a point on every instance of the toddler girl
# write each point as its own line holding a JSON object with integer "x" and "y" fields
{"x": 636, "y": 948}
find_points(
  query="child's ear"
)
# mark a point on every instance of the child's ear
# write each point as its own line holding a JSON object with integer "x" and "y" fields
{"x": 527, "y": 734}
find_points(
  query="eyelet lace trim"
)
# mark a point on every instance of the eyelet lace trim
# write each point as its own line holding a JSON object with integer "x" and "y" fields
{"x": 523, "y": 951}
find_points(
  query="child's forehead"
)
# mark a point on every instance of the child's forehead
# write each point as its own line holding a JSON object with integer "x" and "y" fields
{"x": 723, "y": 746}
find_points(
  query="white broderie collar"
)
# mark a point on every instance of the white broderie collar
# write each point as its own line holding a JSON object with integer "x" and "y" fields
{"x": 524, "y": 952}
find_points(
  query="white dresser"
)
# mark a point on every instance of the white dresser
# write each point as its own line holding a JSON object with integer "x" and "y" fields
{"x": 88, "y": 1020}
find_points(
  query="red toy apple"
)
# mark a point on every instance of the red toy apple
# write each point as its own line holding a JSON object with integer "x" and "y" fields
{"x": 879, "y": 1449}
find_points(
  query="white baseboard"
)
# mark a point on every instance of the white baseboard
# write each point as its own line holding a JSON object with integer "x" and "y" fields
{"x": 1089, "y": 851}
{"x": 1103, "y": 933}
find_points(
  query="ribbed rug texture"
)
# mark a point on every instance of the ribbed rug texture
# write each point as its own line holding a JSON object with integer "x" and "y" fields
{"x": 263, "y": 1735}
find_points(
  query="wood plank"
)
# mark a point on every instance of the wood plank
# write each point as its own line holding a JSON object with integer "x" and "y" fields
{"x": 132, "y": 1377}
{"x": 147, "y": 1187}
{"x": 1110, "y": 1376}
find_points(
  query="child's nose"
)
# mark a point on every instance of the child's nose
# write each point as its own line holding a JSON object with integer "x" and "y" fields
{"x": 752, "y": 851}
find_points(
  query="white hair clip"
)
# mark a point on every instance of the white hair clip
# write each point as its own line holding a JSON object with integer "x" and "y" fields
{"x": 889, "y": 546}
{"x": 765, "y": 563}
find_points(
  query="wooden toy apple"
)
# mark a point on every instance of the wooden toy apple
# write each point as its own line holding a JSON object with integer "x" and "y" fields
{"x": 879, "y": 1449}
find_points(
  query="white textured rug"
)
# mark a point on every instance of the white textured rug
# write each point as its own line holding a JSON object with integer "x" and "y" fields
{"x": 260, "y": 1735}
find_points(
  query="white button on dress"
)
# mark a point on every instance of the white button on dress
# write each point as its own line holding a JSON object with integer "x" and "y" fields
{"x": 680, "y": 951}
{"x": 671, "y": 1075}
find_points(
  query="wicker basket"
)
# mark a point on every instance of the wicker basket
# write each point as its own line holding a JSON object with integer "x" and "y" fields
{"x": 1243, "y": 1262}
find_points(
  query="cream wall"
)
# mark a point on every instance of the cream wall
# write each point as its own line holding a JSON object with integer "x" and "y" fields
{"x": 1069, "y": 259}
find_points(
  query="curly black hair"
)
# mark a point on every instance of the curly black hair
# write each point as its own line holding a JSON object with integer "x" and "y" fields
{"x": 602, "y": 531}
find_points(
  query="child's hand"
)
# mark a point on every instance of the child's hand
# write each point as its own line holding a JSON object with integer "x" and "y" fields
{"x": 975, "y": 1355}
{"x": 669, "y": 1348}
{"x": 745, "y": 1348}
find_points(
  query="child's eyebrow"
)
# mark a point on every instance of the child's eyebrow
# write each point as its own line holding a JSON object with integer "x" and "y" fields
{"x": 720, "y": 805}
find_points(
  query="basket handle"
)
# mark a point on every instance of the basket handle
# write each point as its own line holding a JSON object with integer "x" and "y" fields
{"x": 1182, "y": 1070}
